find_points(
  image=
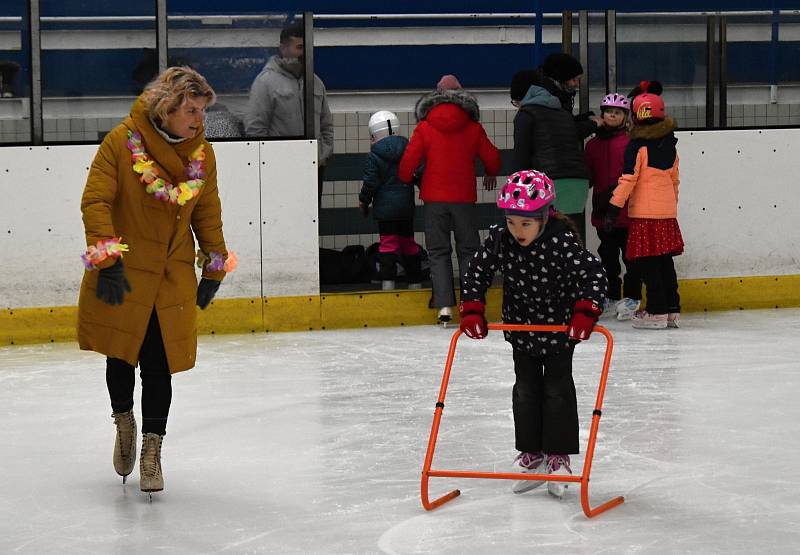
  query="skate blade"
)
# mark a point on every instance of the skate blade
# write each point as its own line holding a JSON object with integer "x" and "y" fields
{"x": 557, "y": 494}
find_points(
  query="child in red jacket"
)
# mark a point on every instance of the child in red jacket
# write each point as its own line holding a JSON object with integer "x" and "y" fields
{"x": 447, "y": 139}
{"x": 605, "y": 156}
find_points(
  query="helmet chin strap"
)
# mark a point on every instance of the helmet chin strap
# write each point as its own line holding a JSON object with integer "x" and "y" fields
{"x": 544, "y": 224}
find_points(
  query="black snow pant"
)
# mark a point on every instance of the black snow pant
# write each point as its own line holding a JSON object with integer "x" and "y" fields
{"x": 579, "y": 221}
{"x": 612, "y": 246}
{"x": 658, "y": 273}
{"x": 156, "y": 381}
{"x": 544, "y": 403}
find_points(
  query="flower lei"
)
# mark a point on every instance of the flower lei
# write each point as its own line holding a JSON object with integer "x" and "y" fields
{"x": 105, "y": 248}
{"x": 215, "y": 262}
{"x": 159, "y": 187}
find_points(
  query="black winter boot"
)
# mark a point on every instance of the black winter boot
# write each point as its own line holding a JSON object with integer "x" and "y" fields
{"x": 387, "y": 269}
{"x": 413, "y": 266}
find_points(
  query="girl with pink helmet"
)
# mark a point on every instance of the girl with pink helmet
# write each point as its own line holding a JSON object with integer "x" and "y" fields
{"x": 605, "y": 156}
{"x": 548, "y": 278}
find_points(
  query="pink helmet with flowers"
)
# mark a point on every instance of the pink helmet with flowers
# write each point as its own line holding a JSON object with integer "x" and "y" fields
{"x": 615, "y": 100}
{"x": 527, "y": 193}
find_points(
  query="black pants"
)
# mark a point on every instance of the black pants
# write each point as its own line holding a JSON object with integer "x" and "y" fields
{"x": 404, "y": 228}
{"x": 320, "y": 181}
{"x": 544, "y": 403}
{"x": 156, "y": 381}
{"x": 612, "y": 246}
{"x": 658, "y": 273}
{"x": 579, "y": 219}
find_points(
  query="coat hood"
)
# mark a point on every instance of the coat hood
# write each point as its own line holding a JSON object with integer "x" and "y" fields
{"x": 539, "y": 96}
{"x": 172, "y": 157}
{"x": 655, "y": 130}
{"x": 448, "y": 118}
{"x": 274, "y": 64}
{"x": 391, "y": 148}
{"x": 458, "y": 97}
{"x": 565, "y": 97}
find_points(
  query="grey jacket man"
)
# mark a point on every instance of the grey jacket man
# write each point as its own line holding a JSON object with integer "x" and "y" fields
{"x": 275, "y": 107}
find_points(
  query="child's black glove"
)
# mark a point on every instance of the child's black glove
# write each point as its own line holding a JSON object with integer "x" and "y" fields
{"x": 364, "y": 209}
{"x": 610, "y": 219}
{"x": 206, "y": 291}
{"x": 112, "y": 284}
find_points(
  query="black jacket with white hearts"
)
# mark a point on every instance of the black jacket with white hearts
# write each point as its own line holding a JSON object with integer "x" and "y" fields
{"x": 541, "y": 282}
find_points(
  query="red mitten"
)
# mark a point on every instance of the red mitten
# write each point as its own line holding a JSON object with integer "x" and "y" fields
{"x": 584, "y": 316}
{"x": 473, "y": 323}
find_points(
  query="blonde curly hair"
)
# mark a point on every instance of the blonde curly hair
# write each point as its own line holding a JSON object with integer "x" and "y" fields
{"x": 172, "y": 87}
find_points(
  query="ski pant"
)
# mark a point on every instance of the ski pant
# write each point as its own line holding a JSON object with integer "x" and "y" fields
{"x": 156, "y": 381}
{"x": 544, "y": 403}
{"x": 442, "y": 218}
{"x": 612, "y": 246}
{"x": 658, "y": 273}
{"x": 397, "y": 236}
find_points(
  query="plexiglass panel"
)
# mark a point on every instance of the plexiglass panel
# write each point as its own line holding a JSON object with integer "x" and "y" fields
{"x": 96, "y": 58}
{"x": 15, "y": 122}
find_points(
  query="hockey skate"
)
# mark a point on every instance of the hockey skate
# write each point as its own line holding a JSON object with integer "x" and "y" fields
{"x": 643, "y": 320}
{"x": 125, "y": 443}
{"x": 673, "y": 320}
{"x": 529, "y": 463}
{"x": 150, "y": 477}
{"x": 558, "y": 465}
{"x": 445, "y": 316}
{"x": 626, "y": 308}
{"x": 609, "y": 309}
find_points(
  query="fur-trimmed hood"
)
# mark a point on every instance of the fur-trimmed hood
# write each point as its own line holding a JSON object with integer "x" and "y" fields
{"x": 459, "y": 97}
{"x": 655, "y": 130}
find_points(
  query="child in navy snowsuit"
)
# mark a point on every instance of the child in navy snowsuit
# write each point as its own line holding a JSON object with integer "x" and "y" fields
{"x": 392, "y": 200}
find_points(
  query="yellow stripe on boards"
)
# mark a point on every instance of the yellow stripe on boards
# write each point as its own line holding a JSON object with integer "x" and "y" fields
{"x": 380, "y": 309}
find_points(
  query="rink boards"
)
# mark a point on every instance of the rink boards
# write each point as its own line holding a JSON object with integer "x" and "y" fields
{"x": 738, "y": 211}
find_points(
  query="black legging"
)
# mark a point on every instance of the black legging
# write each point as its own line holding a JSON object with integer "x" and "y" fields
{"x": 658, "y": 273}
{"x": 156, "y": 381}
{"x": 612, "y": 244}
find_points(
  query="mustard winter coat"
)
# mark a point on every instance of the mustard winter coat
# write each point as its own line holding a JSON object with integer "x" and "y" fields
{"x": 160, "y": 264}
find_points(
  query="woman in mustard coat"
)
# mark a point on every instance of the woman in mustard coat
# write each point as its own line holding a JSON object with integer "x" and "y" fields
{"x": 151, "y": 190}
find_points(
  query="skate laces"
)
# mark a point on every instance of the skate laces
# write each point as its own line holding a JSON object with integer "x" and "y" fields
{"x": 151, "y": 455}
{"x": 554, "y": 462}
{"x": 125, "y": 424}
{"x": 530, "y": 460}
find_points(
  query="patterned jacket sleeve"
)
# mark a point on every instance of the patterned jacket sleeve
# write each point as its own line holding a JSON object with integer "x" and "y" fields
{"x": 585, "y": 271}
{"x": 482, "y": 267}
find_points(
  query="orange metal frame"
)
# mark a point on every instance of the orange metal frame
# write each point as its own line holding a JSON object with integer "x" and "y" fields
{"x": 583, "y": 478}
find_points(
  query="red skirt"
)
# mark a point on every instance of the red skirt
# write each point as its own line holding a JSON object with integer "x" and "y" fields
{"x": 649, "y": 237}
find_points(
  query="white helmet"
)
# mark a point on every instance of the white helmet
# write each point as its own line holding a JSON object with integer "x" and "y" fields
{"x": 382, "y": 124}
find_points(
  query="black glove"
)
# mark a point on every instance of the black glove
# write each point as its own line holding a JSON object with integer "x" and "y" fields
{"x": 112, "y": 284}
{"x": 206, "y": 291}
{"x": 610, "y": 218}
{"x": 364, "y": 209}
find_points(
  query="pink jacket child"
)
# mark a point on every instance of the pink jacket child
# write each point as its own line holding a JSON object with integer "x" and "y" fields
{"x": 605, "y": 157}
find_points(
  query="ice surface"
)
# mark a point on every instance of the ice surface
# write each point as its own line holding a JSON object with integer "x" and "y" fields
{"x": 314, "y": 443}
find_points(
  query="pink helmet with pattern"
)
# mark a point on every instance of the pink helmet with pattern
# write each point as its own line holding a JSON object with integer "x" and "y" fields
{"x": 527, "y": 193}
{"x": 615, "y": 100}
